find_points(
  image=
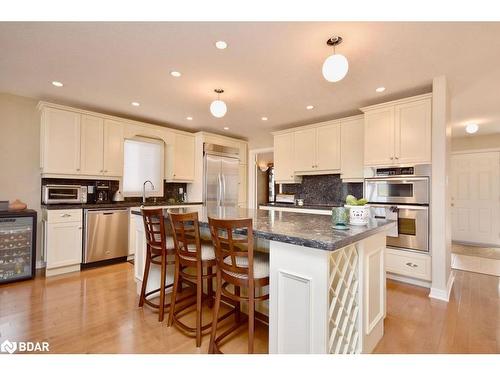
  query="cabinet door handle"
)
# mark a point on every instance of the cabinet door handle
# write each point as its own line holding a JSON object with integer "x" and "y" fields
{"x": 78, "y": 169}
{"x": 412, "y": 265}
{"x": 65, "y": 215}
{"x": 397, "y": 158}
{"x": 79, "y": 227}
{"x": 392, "y": 158}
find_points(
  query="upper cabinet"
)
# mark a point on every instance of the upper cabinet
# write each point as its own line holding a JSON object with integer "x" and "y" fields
{"x": 180, "y": 158}
{"x": 60, "y": 142}
{"x": 398, "y": 132}
{"x": 317, "y": 149}
{"x": 91, "y": 145}
{"x": 351, "y": 137}
{"x": 113, "y": 148}
{"x": 283, "y": 159}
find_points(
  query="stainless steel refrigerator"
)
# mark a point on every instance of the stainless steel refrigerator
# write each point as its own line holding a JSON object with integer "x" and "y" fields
{"x": 221, "y": 175}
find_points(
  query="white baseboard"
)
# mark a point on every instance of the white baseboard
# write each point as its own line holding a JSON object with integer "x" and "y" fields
{"x": 443, "y": 294}
{"x": 408, "y": 280}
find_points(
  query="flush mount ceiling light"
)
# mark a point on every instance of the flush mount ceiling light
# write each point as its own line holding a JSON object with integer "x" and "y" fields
{"x": 189, "y": 118}
{"x": 472, "y": 128}
{"x": 310, "y": 107}
{"x": 264, "y": 118}
{"x": 335, "y": 66}
{"x": 175, "y": 73}
{"x": 226, "y": 128}
{"x": 218, "y": 108}
{"x": 380, "y": 89}
{"x": 220, "y": 44}
{"x": 57, "y": 84}
{"x": 136, "y": 104}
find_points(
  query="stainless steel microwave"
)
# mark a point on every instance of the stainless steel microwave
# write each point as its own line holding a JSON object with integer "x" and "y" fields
{"x": 56, "y": 194}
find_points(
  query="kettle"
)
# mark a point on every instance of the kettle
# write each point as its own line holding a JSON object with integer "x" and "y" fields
{"x": 118, "y": 196}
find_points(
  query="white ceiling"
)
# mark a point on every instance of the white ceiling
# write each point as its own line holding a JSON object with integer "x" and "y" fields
{"x": 269, "y": 69}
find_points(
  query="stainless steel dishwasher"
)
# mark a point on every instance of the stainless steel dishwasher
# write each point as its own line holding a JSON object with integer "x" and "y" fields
{"x": 106, "y": 234}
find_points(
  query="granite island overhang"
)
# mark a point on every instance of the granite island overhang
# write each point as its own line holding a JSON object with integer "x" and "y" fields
{"x": 327, "y": 286}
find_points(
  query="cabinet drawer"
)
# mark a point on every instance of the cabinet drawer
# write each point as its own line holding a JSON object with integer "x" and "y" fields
{"x": 408, "y": 264}
{"x": 64, "y": 216}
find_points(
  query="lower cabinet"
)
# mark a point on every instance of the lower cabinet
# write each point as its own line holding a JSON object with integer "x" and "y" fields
{"x": 62, "y": 241}
{"x": 409, "y": 264}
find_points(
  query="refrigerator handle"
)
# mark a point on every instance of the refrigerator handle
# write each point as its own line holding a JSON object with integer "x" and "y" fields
{"x": 219, "y": 189}
{"x": 223, "y": 189}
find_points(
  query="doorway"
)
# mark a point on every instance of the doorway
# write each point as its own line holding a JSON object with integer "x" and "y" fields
{"x": 260, "y": 177}
{"x": 475, "y": 197}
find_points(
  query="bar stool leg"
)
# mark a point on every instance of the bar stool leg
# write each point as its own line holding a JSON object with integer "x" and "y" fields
{"x": 211, "y": 347}
{"x": 199, "y": 296}
{"x": 237, "y": 315}
{"x": 162, "y": 286}
{"x": 210, "y": 288}
{"x": 251, "y": 317}
{"x": 175, "y": 290}
{"x": 145, "y": 278}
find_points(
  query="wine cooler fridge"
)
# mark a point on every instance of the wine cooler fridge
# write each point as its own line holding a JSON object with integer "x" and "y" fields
{"x": 17, "y": 245}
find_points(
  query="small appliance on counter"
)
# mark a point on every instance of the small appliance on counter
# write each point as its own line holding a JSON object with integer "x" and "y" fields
{"x": 103, "y": 192}
{"x": 285, "y": 198}
{"x": 118, "y": 196}
{"x": 64, "y": 193}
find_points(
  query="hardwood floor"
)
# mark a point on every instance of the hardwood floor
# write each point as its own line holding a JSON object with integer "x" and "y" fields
{"x": 96, "y": 311}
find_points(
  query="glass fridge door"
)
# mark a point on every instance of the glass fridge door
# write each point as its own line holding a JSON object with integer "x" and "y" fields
{"x": 16, "y": 248}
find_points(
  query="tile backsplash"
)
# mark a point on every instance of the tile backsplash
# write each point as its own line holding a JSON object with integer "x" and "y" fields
{"x": 323, "y": 189}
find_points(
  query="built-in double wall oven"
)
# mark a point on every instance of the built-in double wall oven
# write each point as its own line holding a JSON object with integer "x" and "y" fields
{"x": 402, "y": 194}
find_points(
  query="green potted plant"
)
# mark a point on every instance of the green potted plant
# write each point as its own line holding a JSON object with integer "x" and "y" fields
{"x": 359, "y": 211}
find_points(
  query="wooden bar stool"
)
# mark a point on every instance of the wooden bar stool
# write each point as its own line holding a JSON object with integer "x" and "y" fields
{"x": 195, "y": 256}
{"x": 159, "y": 250}
{"x": 240, "y": 266}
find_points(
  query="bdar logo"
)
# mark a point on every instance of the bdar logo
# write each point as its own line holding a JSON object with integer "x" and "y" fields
{"x": 8, "y": 347}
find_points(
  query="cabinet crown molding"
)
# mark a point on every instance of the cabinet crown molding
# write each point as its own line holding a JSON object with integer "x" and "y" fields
{"x": 318, "y": 124}
{"x": 43, "y": 105}
{"x": 398, "y": 101}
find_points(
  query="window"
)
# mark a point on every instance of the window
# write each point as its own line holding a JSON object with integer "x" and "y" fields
{"x": 143, "y": 160}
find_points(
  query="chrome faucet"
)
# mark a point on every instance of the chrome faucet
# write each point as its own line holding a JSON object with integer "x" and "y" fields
{"x": 144, "y": 190}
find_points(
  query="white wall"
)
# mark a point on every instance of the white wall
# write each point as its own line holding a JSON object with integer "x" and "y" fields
{"x": 20, "y": 153}
{"x": 476, "y": 142}
{"x": 442, "y": 279}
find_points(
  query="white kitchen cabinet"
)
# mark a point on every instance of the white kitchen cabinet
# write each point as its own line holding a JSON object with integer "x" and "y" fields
{"x": 60, "y": 142}
{"x": 398, "y": 132}
{"x": 413, "y": 132}
{"x": 406, "y": 263}
{"x": 91, "y": 145}
{"x": 62, "y": 241}
{"x": 179, "y": 163}
{"x": 242, "y": 185}
{"x": 113, "y": 148}
{"x": 317, "y": 149}
{"x": 352, "y": 149}
{"x": 283, "y": 159}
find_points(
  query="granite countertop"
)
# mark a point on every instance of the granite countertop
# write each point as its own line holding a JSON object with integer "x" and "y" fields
{"x": 305, "y": 206}
{"x": 309, "y": 230}
{"x": 125, "y": 204}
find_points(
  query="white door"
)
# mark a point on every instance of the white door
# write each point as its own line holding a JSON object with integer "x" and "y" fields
{"x": 61, "y": 142}
{"x": 64, "y": 244}
{"x": 379, "y": 136}
{"x": 113, "y": 148}
{"x": 328, "y": 147}
{"x": 304, "y": 150}
{"x": 184, "y": 157}
{"x": 352, "y": 148}
{"x": 283, "y": 158}
{"x": 91, "y": 145}
{"x": 475, "y": 197}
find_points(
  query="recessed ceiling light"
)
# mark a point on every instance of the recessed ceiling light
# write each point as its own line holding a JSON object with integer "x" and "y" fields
{"x": 220, "y": 44}
{"x": 57, "y": 84}
{"x": 189, "y": 118}
{"x": 226, "y": 128}
{"x": 264, "y": 118}
{"x": 472, "y": 128}
{"x": 380, "y": 89}
{"x": 136, "y": 104}
{"x": 310, "y": 107}
{"x": 175, "y": 73}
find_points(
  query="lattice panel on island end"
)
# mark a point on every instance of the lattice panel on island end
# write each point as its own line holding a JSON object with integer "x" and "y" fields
{"x": 343, "y": 301}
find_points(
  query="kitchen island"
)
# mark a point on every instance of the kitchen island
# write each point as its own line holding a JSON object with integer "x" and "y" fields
{"x": 327, "y": 287}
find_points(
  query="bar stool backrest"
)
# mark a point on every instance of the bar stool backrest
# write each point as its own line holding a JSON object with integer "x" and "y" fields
{"x": 154, "y": 227}
{"x": 233, "y": 244}
{"x": 186, "y": 233}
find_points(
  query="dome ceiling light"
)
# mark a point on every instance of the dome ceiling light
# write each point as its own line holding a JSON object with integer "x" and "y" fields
{"x": 335, "y": 66}
{"x": 218, "y": 108}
